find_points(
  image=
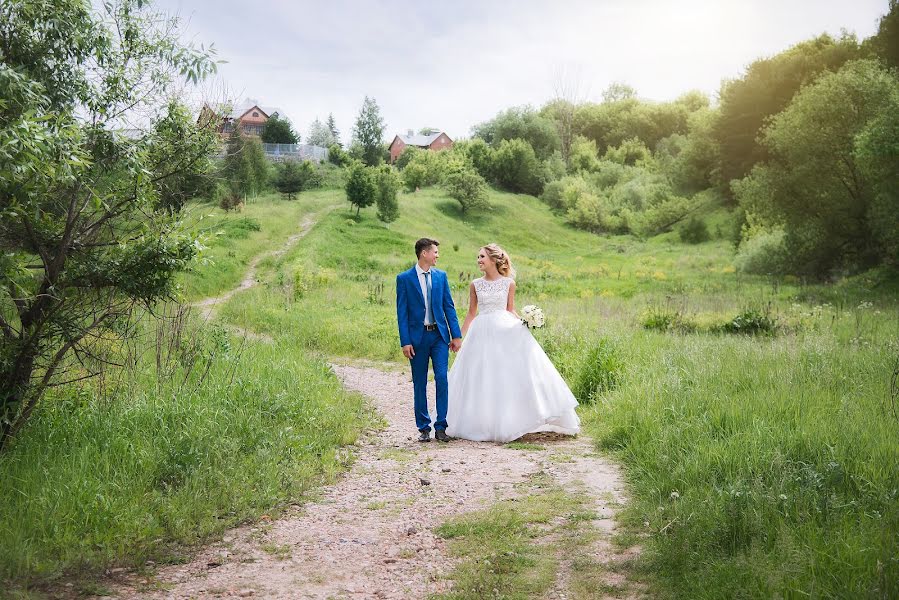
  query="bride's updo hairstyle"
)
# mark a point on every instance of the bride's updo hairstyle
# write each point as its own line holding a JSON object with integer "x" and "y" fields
{"x": 500, "y": 259}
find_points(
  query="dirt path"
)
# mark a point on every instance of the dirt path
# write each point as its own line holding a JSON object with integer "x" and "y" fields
{"x": 370, "y": 534}
{"x": 208, "y": 306}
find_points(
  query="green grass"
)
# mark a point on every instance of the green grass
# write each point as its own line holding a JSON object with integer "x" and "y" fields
{"x": 513, "y": 548}
{"x": 778, "y": 447}
{"x": 116, "y": 480}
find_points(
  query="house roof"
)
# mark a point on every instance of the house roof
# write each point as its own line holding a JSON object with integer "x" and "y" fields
{"x": 419, "y": 140}
{"x": 237, "y": 111}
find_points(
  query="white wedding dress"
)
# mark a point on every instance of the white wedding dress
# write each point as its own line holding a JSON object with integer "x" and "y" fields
{"x": 502, "y": 385}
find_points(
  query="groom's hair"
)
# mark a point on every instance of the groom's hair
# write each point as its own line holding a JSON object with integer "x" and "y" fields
{"x": 423, "y": 244}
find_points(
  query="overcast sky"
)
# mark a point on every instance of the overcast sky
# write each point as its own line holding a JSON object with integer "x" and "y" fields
{"x": 451, "y": 65}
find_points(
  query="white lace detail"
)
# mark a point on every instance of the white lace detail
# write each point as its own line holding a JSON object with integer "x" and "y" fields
{"x": 492, "y": 295}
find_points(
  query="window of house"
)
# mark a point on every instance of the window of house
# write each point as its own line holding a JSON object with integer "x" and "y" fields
{"x": 255, "y": 114}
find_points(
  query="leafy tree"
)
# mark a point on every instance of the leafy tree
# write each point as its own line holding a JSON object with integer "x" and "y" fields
{"x": 278, "y": 131}
{"x": 368, "y": 133}
{"x": 387, "y": 183}
{"x": 818, "y": 183}
{"x": 618, "y": 91}
{"x": 332, "y": 128}
{"x": 428, "y": 131}
{"x": 406, "y": 156}
{"x": 295, "y": 176}
{"x": 81, "y": 240}
{"x": 521, "y": 123}
{"x": 245, "y": 167}
{"x": 360, "y": 189}
{"x": 479, "y": 154}
{"x": 885, "y": 43}
{"x": 181, "y": 151}
{"x": 337, "y": 156}
{"x": 320, "y": 135}
{"x": 516, "y": 167}
{"x": 766, "y": 89}
{"x": 631, "y": 152}
{"x": 694, "y": 167}
{"x": 468, "y": 187}
{"x": 583, "y": 155}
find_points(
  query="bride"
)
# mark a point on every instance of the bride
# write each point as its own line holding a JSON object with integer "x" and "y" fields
{"x": 502, "y": 385}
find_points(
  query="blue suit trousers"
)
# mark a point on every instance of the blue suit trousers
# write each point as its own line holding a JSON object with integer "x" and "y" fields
{"x": 435, "y": 350}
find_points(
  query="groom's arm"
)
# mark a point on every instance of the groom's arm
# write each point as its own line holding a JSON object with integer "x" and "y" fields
{"x": 402, "y": 312}
{"x": 449, "y": 309}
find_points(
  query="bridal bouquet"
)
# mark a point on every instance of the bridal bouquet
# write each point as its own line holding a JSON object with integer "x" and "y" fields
{"x": 532, "y": 316}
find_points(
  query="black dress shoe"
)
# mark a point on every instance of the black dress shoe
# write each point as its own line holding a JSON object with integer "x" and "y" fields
{"x": 425, "y": 436}
{"x": 441, "y": 436}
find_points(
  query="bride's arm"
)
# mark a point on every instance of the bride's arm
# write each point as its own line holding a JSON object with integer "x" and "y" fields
{"x": 472, "y": 309}
{"x": 510, "y": 303}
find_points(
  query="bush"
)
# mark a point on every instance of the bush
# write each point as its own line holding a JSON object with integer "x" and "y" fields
{"x": 337, "y": 156}
{"x": 694, "y": 231}
{"x": 415, "y": 176}
{"x": 468, "y": 188}
{"x": 387, "y": 184}
{"x": 599, "y": 372}
{"x": 763, "y": 254}
{"x": 516, "y": 168}
{"x": 751, "y": 322}
{"x": 360, "y": 188}
{"x": 294, "y": 177}
{"x": 403, "y": 160}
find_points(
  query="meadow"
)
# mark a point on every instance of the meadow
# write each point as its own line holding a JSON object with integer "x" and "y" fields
{"x": 761, "y": 464}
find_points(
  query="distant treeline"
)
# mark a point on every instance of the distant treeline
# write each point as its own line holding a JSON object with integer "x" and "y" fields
{"x": 804, "y": 146}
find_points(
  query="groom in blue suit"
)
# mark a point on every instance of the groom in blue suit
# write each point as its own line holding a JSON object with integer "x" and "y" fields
{"x": 429, "y": 329}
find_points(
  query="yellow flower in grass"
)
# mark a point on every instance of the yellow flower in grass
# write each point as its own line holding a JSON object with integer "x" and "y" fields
{"x": 607, "y": 294}
{"x": 729, "y": 269}
{"x": 659, "y": 275}
{"x": 586, "y": 294}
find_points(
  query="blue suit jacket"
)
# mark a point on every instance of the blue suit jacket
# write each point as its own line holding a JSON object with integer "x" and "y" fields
{"x": 410, "y": 307}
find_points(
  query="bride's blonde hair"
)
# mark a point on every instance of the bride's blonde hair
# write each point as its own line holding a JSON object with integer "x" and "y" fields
{"x": 500, "y": 259}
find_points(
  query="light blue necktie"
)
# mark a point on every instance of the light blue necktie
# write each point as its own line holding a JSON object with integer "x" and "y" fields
{"x": 430, "y": 308}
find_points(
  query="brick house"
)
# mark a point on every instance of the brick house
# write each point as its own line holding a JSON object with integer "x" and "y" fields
{"x": 250, "y": 116}
{"x": 435, "y": 141}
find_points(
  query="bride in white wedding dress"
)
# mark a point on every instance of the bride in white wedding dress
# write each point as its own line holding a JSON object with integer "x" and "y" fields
{"x": 502, "y": 385}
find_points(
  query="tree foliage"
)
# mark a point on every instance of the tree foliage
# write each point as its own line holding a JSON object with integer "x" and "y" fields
{"x": 765, "y": 90}
{"x": 278, "y": 131}
{"x": 320, "y": 135}
{"x": 831, "y": 174}
{"x": 516, "y": 168}
{"x": 82, "y": 236}
{"x": 297, "y": 176}
{"x": 522, "y": 123}
{"x": 468, "y": 187}
{"x": 368, "y": 133}
{"x": 885, "y": 43}
{"x": 361, "y": 191}
{"x": 244, "y": 168}
{"x": 387, "y": 184}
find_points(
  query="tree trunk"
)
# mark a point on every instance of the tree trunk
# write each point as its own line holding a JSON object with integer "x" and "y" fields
{"x": 13, "y": 393}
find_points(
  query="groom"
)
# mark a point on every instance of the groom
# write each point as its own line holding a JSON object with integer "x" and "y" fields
{"x": 429, "y": 329}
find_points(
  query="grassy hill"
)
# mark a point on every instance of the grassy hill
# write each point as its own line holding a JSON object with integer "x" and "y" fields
{"x": 761, "y": 464}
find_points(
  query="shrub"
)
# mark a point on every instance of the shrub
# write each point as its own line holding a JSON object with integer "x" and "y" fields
{"x": 599, "y": 372}
{"x": 751, "y": 321}
{"x": 337, "y": 155}
{"x": 516, "y": 168}
{"x": 765, "y": 253}
{"x": 360, "y": 189}
{"x": 406, "y": 157}
{"x": 694, "y": 231}
{"x": 294, "y": 177}
{"x": 387, "y": 184}
{"x": 468, "y": 188}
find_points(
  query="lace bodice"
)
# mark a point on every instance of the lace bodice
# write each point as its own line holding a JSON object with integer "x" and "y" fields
{"x": 492, "y": 295}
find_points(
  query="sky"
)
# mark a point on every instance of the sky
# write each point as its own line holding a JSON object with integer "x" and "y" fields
{"x": 452, "y": 64}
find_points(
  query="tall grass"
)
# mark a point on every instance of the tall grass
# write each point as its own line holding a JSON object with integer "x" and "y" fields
{"x": 760, "y": 467}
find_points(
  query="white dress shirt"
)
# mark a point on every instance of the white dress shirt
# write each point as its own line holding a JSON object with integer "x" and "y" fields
{"x": 424, "y": 288}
